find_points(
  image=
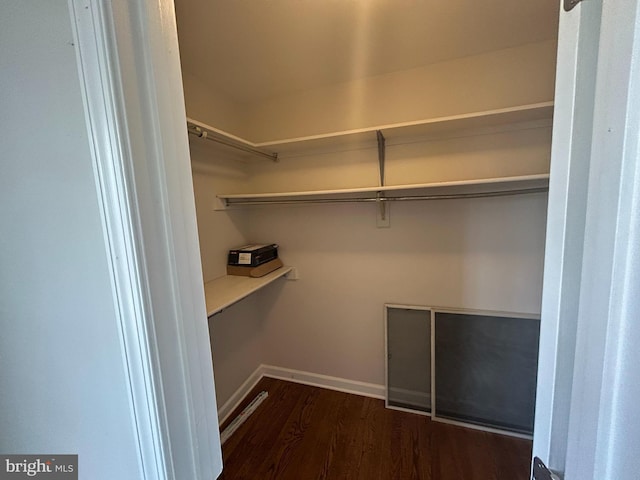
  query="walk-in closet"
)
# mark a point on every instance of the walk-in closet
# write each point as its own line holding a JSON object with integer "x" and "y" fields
{"x": 397, "y": 152}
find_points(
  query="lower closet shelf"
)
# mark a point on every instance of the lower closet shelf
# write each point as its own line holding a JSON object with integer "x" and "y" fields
{"x": 224, "y": 291}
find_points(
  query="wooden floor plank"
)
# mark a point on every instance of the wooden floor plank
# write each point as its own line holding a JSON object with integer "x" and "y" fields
{"x": 301, "y": 432}
{"x": 319, "y": 445}
{"x": 341, "y": 461}
{"x": 411, "y": 446}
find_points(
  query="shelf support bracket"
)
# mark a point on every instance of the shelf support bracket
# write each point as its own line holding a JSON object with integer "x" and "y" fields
{"x": 381, "y": 155}
{"x": 382, "y": 219}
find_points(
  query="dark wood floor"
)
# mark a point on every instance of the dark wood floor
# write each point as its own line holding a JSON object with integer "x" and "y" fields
{"x": 301, "y": 432}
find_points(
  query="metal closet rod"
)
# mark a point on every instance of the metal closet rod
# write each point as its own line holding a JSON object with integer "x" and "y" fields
{"x": 449, "y": 196}
{"x": 215, "y": 137}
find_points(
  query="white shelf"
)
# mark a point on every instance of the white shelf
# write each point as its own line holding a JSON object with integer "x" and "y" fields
{"x": 394, "y": 133}
{"x": 223, "y": 292}
{"x": 479, "y": 187}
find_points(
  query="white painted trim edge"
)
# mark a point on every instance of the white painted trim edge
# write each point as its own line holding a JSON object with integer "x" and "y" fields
{"x": 106, "y": 130}
{"x": 132, "y": 94}
{"x": 372, "y": 390}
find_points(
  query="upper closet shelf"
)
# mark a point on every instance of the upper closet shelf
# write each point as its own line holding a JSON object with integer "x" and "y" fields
{"x": 399, "y": 132}
{"x": 485, "y": 187}
{"x": 393, "y": 133}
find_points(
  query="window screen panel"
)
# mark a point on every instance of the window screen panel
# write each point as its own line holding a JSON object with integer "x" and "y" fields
{"x": 409, "y": 358}
{"x": 486, "y": 369}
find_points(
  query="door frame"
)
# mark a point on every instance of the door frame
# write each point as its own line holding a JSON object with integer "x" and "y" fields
{"x": 592, "y": 250}
{"x": 129, "y": 68}
{"x": 130, "y": 71}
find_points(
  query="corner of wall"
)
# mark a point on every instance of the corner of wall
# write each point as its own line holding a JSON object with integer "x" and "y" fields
{"x": 211, "y": 107}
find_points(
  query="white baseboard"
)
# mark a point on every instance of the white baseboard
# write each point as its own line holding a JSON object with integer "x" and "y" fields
{"x": 234, "y": 401}
{"x": 355, "y": 387}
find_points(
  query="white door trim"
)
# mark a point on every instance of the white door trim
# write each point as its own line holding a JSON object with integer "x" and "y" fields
{"x": 106, "y": 128}
{"x": 570, "y": 159}
{"x": 132, "y": 89}
{"x": 603, "y": 442}
{"x": 587, "y": 425}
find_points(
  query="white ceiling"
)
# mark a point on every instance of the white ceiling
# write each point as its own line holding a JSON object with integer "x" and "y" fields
{"x": 251, "y": 50}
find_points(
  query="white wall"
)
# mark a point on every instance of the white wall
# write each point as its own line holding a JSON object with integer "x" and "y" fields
{"x": 207, "y": 106}
{"x": 515, "y": 76}
{"x": 237, "y": 347}
{"x": 480, "y": 254}
{"x": 504, "y": 78}
{"x": 217, "y": 231}
{"x": 63, "y": 387}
